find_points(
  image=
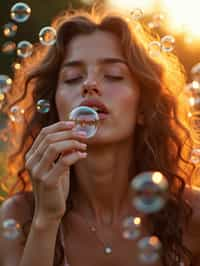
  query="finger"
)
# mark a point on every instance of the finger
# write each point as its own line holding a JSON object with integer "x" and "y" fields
{"x": 54, "y": 138}
{"x": 61, "y": 125}
{"x": 52, "y": 179}
{"x": 53, "y": 150}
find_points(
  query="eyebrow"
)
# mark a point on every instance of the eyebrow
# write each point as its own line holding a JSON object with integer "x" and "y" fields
{"x": 102, "y": 61}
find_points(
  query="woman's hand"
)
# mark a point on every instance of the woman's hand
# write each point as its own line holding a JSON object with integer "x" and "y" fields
{"x": 50, "y": 179}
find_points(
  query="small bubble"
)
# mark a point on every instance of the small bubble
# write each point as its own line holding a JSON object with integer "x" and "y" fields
{"x": 20, "y": 12}
{"x": 11, "y": 229}
{"x": 136, "y": 13}
{"x": 167, "y": 43}
{"x": 43, "y": 106}
{"x": 86, "y": 119}
{"x": 16, "y": 113}
{"x": 47, "y": 36}
{"x": 5, "y": 83}
{"x": 10, "y": 29}
{"x": 131, "y": 227}
{"x": 154, "y": 48}
{"x": 24, "y": 49}
{"x": 8, "y": 47}
{"x": 150, "y": 248}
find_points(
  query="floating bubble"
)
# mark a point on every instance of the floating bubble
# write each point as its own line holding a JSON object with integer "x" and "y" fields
{"x": 47, "y": 36}
{"x": 131, "y": 226}
{"x": 151, "y": 191}
{"x": 11, "y": 229}
{"x": 150, "y": 248}
{"x": 5, "y": 83}
{"x": 16, "y": 113}
{"x": 195, "y": 72}
{"x": 10, "y": 29}
{"x": 195, "y": 156}
{"x": 194, "y": 123}
{"x": 167, "y": 43}
{"x": 157, "y": 20}
{"x": 8, "y": 47}
{"x": 24, "y": 49}
{"x": 43, "y": 106}
{"x": 86, "y": 119}
{"x": 20, "y": 12}
{"x": 136, "y": 13}
{"x": 154, "y": 48}
{"x": 194, "y": 101}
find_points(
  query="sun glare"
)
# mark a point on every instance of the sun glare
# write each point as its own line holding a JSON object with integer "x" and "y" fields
{"x": 183, "y": 16}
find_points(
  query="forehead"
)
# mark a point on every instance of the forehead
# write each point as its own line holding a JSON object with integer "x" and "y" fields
{"x": 93, "y": 46}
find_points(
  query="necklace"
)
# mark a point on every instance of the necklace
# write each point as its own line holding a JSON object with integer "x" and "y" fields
{"x": 107, "y": 247}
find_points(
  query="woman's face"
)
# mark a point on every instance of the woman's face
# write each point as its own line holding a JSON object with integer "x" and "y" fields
{"x": 94, "y": 67}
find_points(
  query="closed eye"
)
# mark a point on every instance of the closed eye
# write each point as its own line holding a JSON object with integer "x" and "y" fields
{"x": 114, "y": 78}
{"x": 73, "y": 80}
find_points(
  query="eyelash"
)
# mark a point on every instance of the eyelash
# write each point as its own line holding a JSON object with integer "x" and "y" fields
{"x": 112, "y": 78}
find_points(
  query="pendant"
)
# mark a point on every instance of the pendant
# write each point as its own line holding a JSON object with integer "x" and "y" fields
{"x": 108, "y": 250}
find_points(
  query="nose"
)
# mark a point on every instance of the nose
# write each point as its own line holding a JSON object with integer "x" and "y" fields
{"x": 91, "y": 88}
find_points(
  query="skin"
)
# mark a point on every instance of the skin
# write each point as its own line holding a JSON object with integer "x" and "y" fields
{"x": 103, "y": 196}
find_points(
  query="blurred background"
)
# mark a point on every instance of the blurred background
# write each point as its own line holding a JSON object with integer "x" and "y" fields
{"x": 177, "y": 18}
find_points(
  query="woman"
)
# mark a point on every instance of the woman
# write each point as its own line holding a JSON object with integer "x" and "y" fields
{"x": 79, "y": 200}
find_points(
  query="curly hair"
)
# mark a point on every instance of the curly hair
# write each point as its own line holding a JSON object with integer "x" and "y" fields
{"x": 162, "y": 143}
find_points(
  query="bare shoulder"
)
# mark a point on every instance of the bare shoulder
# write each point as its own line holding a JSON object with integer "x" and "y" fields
{"x": 192, "y": 234}
{"x": 18, "y": 208}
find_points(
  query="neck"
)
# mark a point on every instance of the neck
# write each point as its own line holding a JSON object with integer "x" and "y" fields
{"x": 103, "y": 192}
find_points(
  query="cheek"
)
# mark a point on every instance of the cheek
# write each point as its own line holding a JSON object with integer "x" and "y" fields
{"x": 62, "y": 104}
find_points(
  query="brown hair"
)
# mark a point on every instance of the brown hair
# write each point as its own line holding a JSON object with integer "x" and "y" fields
{"x": 163, "y": 143}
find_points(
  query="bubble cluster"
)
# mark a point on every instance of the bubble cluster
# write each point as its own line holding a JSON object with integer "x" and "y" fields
{"x": 24, "y": 49}
{"x": 43, "y": 106}
{"x": 47, "y": 36}
{"x": 151, "y": 191}
{"x": 86, "y": 119}
{"x": 20, "y": 12}
{"x": 10, "y": 229}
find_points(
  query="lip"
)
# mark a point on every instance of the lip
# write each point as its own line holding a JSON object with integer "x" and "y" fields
{"x": 96, "y": 103}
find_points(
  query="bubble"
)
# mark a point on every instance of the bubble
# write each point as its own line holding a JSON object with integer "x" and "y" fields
{"x": 5, "y": 83}
{"x": 195, "y": 156}
{"x": 151, "y": 191}
{"x": 8, "y": 47}
{"x": 16, "y": 113}
{"x": 16, "y": 66}
{"x": 47, "y": 36}
{"x": 195, "y": 72}
{"x": 150, "y": 248}
{"x": 192, "y": 87}
{"x": 157, "y": 21}
{"x": 10, "y": 29}
{"x": 136, "y": 13}
{"x": 43, "y": 106}
{"x": 20, "y": 12}
{"x": 11, "y": 229}
{"x": 131, "y": 227}
{"x": 167, "y": 43}
{"x": 154, "y": 48}
{"x": 194, "y": 101}
{"x": 24, "y": 49}
{"x": 194, "y": 123}
{"x": 86, "y": 119}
